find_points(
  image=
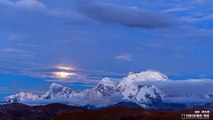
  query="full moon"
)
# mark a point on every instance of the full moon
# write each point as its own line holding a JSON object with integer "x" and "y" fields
{"x": 63, "y": 74}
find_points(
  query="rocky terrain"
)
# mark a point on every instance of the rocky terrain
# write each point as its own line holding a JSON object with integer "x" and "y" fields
{"x": 17, "y": 111}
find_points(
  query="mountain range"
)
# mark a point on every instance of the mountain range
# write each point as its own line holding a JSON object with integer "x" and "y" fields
{"x": 133, "y": 88}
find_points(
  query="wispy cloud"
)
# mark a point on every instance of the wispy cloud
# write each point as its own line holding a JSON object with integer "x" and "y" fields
{"x": 208, "y": 17}
{"x": 189, "y": 20}
{"x": 154, "y": 45}
{"x": 175, "y": 10}
{"x": 14, "y": 37}
{"x": 46, "y": 73}
{"x": 75, "y": 79}
{"x": 19, "y": 55}
{"x": 124, "y": 57}
{"x": 13, "y": 51}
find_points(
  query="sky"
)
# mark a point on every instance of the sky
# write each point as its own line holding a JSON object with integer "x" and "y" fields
{"x": 79, "y": 42}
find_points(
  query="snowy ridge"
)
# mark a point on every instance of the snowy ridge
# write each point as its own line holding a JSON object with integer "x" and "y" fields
{"x": 21, "y": 97}
{"x": 58, "y": 91}
{"x": 146, "y": 76}
{"x": 106, "y": 87}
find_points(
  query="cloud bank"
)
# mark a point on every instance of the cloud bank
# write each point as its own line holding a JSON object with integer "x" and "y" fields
{"x": 127, "y": 16}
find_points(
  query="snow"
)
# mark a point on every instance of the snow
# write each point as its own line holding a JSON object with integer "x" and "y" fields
{"x": 137, "y": 91}
{"x": 146, "y": 76}
{"x": 106, "y": 87}
{"x": 58, "y": 91}
{"x": 21, "y": 97}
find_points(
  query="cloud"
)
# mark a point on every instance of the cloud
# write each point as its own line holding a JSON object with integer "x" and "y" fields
{"x": 208, "y": 17}
{"x": 8, "y": 90}
{"x": 75, "y": 79}
{"x": 89, "y": 77}
{"x": 189, "y": 20}
{"x": 14, "y": 51}
{"x": 182, "y": 91}
{"x": 124, "y": 57}
{"x": 154, "y": 45}
{"x": 31, "y": 4}
{"x": 37, "y": 5}
{"x": 14, "y": 37}
{"x": 199, "y": 34}
{"x": 91, "y": 100}
{"x": 127, "y": 16}
{"x": 24, "y": 4}
{"x": 202, "y": 1}
{"x": 11, "y": 50}
{"x": 175, "y": 10}
{"x": 20, "y": 55}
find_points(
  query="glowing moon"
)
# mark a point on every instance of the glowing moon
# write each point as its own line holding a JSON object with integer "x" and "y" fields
{"x": 63, "y": 74}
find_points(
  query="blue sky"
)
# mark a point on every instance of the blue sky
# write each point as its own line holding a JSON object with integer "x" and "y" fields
{"x": 102, "y": 38}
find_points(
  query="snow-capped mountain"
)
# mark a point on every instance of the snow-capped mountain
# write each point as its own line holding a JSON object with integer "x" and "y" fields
{"x": 130, "y": 89}
{"x": 58, "y": 91}
{"x": 147, "y": 89}
{"x": 22, "y": 96}
{"x": 106, "y": 87}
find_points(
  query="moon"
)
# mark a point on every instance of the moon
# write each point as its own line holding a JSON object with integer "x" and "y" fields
{"x": 63, "y": 74}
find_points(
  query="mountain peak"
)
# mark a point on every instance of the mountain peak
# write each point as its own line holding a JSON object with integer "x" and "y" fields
{"x": 58, "y": 91}
{"x": 106, "y": 86}
{"x": 55, "y": 85}
{"x": 107, "y": 82}
{"x": 148, "y": 75}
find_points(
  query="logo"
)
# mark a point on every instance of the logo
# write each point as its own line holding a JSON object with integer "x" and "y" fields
{"x": 198, "y": 115}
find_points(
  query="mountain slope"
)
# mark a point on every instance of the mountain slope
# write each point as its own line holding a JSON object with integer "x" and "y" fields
{"x": 17, "y": 111}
